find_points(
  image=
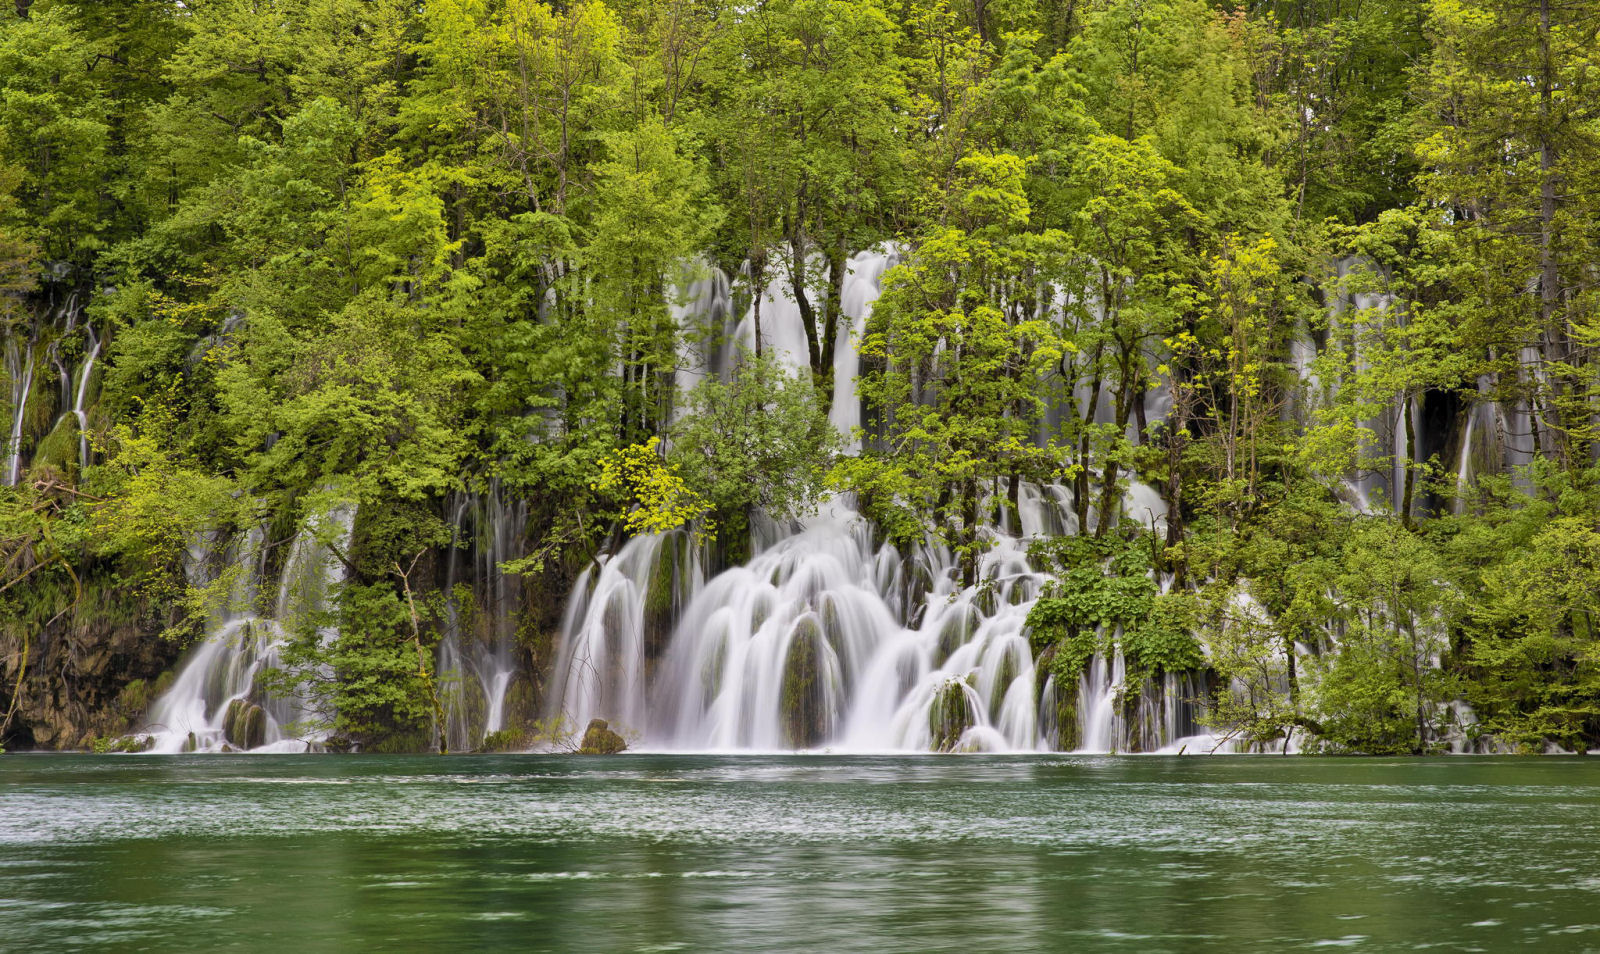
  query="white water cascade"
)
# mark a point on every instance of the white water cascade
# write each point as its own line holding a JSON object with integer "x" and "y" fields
{"x": 81, "y": 395}
{"x": 217, "y": 701}
{"x": 19, "y": 368}
{"x": 475, "y": 656}
{"x": 827, "y": 638}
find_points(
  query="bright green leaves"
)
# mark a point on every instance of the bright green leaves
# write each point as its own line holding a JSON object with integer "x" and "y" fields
{"x": 1536, "y": 639}
{"x": 650, "y": 217}
{"x": 656, "y": 498}
{"x": 374, "y": 396}
{"x": 1102, "y": 596}
{"x": 990, "y": 193}
{"x": 55, "y": 132}
{"x": 954, "y": 364}
{"x": 761, "y": 442}
{"x": 1382, "y": 691}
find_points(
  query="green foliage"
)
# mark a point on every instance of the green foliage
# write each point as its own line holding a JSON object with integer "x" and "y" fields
{"x": 761, "y": 441}
{"x": 1102, "y": 591}
{"x": 954, "y": 364}
{"x": 656, "y": 497}
{"x": 1532, "y": 645}
{"x": 358, "y": 668}
{"x": 389, "y": 252}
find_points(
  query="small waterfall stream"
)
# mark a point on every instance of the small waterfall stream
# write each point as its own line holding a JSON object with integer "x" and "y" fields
{"x": 19, "y": 368}
{"x": 475, "y": 656}
{"x": 217, "y": 699}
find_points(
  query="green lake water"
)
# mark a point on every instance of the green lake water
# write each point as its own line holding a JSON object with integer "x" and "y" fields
{"x": 803, "y": 853}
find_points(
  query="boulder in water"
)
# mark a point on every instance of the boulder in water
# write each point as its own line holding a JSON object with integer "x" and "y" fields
{"x": 598, "y": 739}
{"x": 245, "y": 724}
{"x": 951, "y": 715}
{"x": 804, "y": 701}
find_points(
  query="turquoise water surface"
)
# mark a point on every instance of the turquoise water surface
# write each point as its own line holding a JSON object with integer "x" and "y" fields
{"x": 797, "y": 853}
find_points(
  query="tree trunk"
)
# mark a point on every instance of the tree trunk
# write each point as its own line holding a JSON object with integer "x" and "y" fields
{"x": 1549, "y": 267}
{"x": 422, "y": 656}
{"x": 1080, "y": 482}
{"x": 838, "y": 264}
{"x": 1410, "y": 483}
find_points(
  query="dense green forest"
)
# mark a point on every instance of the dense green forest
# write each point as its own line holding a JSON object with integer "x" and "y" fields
{"x": 1324, "y": 275}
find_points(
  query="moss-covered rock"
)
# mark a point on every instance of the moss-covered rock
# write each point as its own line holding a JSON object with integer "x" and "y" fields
{"x": 121, "y": 744}
{"x": 661, "y": 599}
{"x": 951, "y": 715}
{"x": 804, "y": 697}
{"x": 80, "y": 663}
{"x": 955, "y": 631}
{"x": 506, "y": 740}
{"x": 1004, "y": 677}
{"x": 598, "y": 739}
{"x": 59, "y": 451}
{"x": 245, "y": 724}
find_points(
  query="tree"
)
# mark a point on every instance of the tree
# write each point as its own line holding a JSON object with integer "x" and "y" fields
{"x": 1511, "y": 147}
{"x": 956, "y": 356}
{"x": 806, "y": 94}
{"x": 761, "y": 443}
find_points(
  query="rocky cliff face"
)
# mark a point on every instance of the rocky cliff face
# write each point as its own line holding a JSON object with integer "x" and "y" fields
{"x": 87, "y": 677}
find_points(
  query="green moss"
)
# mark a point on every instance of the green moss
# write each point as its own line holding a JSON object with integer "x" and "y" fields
{"x": 60, "y": 450}
{"x": 955, "y": 631}
{"x": 122, "y": 743}
{"x": 598, "y": 739}
{"x": 950, "y": 716}
{"x": 661, "y": 596}
{"x": 402, "y": 743}
{"x": 506, "y": 740}
{"x": 805, "y": 719}
{"x": 245, "y": 724}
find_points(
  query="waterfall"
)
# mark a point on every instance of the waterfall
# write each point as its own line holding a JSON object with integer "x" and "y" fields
{"x": 216, "y": 699}
{"x": 81, "y": 396}
{"x": 476, "y": 653}
{"x": 1099, "y": 689}
{"x": 861, "y": 287}
{"x": 824, "y": 639}
{"x": 19, "y": 366}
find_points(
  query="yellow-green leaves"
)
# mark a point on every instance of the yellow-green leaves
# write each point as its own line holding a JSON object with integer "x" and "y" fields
{"x": 657, "y": 499}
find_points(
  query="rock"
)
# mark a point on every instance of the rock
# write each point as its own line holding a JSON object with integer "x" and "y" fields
{"x": 78, "y": 666}
{"x": 245, "y": 724}
{"x": 506, "y": 740}
{"x": 951, "y": 715}
{"x": 598, "y": 739}
{"x": 804, "y": 700}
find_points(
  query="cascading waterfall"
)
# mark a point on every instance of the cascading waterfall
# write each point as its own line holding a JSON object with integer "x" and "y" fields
{"x": 823, "y": 639}
{"x": 19, "y": 367}
{"x": 826, "y": 638}
{"x": 217, "y": 700}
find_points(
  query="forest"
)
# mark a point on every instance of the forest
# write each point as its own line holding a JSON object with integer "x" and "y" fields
{"x": 1266, "y": 335}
